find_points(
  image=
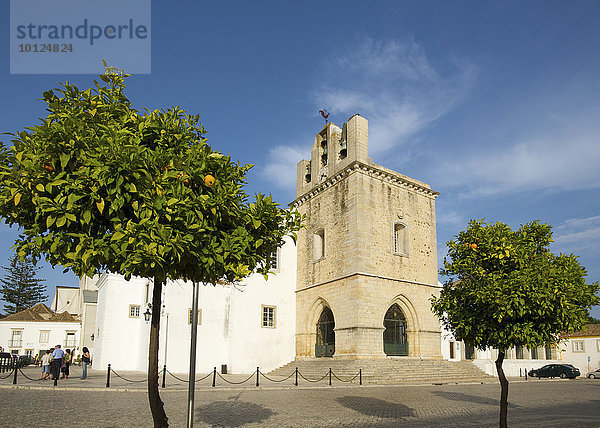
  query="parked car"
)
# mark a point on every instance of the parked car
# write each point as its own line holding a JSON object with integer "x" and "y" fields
{"x": 25, "y": 360}
{"x": 556, "y": 370}
{"x": 594, "y": 375}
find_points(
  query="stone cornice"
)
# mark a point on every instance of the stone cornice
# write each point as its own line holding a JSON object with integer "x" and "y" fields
{"x": 373, "y": 170}
{"x": 372, "y": 275}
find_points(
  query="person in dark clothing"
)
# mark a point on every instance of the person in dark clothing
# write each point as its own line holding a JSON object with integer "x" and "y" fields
{"x": 57, "y": 359}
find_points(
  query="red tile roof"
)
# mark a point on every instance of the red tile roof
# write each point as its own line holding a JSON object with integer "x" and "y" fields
{"x": 40, "y": 312}
{"x": 589, "y": 330}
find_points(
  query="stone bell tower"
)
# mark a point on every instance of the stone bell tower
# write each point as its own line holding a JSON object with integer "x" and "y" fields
{"x": 367, "y": 262}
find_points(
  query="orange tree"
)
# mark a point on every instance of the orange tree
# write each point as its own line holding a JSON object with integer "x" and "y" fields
{"x": 505, "y": 288}
{"x": 99, "y": 186}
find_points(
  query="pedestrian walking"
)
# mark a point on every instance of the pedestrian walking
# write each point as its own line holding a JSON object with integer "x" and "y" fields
{"x": 85, "y": 360}
{"x": 57, "y": 359}
{"x": 46, "y": 358}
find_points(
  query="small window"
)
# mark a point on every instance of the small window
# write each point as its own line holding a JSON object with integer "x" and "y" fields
{"x": 400, "y": 239}
{"x": 44, "y": 336}
{"x": 134, "y": 311}
{"x": 275, "y": 260}
{"x": 268, "y": 316}
{"x": 534, "y": 353}
{"x": 16, "y": 338}
{"x": 190, "y": 316}
{"x": 519, "y": 352}
{"x": 319, "y": 244}
{"x": 578, "y": 346}
{"x": 147, "y": 297}
{"x": 70, "y": 339}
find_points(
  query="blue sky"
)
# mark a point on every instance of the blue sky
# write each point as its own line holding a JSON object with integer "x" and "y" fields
{"x": 495, "y": 104}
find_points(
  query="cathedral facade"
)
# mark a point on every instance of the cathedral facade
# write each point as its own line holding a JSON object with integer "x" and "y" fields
{"x": 367, "y": 262}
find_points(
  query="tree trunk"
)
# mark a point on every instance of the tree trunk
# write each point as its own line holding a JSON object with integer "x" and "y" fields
{"x": 156, "y": 404}
{"x": 504, "y": 390}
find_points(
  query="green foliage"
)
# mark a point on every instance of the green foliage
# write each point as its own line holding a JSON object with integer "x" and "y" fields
{"x": 505, "y": 288}
{"x": 98, "y": 185}
{"x": 20, "y": 288}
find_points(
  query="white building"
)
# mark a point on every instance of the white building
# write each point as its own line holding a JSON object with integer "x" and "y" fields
{"x": 37, "y": 329}
{"x": 243, "y": 326}
{"x": 582, "y": 348}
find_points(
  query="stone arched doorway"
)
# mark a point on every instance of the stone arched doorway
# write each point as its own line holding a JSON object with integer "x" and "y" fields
{"x": 325, "y": 345}
{"x": 394, "y": 335}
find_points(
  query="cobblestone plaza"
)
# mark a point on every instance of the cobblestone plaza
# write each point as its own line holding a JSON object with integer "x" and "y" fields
{"x": 532, "y": 403}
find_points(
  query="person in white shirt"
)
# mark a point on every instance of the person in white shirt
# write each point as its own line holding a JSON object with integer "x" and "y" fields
{"x": 45, "y": 365}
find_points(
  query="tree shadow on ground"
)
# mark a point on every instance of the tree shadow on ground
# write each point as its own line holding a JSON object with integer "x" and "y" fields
{"x": 232, "y": 413}
{"x": 457, "y": 396}
{"x": 375, "y": 407}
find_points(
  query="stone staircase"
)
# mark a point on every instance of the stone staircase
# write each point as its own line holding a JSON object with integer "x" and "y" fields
{"x": 399, "y": 370}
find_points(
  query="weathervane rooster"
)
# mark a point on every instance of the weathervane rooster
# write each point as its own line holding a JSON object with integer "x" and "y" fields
{"x": 325, "y": 114}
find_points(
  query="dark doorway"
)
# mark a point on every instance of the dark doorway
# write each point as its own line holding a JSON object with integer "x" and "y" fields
{"x": 394, "y": 335}
{"x": 325, "y": 346}
{"x": 469, "y": 352}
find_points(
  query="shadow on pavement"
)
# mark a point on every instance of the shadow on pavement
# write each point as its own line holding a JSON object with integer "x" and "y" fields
{"x": 457, "y": 396}
{"x": 375, "y": 407}
{"x": 232, "y": 413}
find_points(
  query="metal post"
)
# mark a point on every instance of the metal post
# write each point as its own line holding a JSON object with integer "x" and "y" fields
{"x": 360, "y": 376}
{"x": 214, "y": 376}
{"x": 330, "y": 376}
{"x": 525, "y": 373}
{"x": 257, "y": 376}
{"x": 164, "y": 375}
{"x": 108, "y": 377}
{"x": 15, "y": 377}
{"x": 520, "y": 372}
{"x": 296, "y": 383}
{"x": 192, "y": 373}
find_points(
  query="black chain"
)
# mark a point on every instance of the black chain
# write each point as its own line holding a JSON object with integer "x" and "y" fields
{"x": 186, "y": 381}
{"x": 349, "y": 380}
{"x": 129, "y": 380}
{"x": 27, "y": 377}
{"x": 8, "y": 375}
{"x": 237, "y": 383}
{"x": 309, "y": 380}
{"x": 273, "y": 380}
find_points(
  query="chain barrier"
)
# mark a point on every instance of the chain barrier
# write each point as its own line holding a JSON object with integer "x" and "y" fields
{"x": 186, "y": 381}
{"x": 27, "y": 377}
{"x": 349, "y": 380}
{"x": 236, "y": 383}
{"x": 8, "y": 375}
{"x": 273, "y": 380}
{"x": 309, "y": 380}
{"x": 129, "y": 380}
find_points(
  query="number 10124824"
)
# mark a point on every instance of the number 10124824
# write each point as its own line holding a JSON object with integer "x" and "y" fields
{"x": 45, "y": 47}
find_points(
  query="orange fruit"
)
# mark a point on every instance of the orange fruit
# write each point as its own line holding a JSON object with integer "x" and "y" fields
{"x": 473, "y": 246}
{"x": 48, "y": 167}
{"x": 209, "y": 180}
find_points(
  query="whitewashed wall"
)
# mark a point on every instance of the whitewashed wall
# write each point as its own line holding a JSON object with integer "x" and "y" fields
{"x": 31, "y": 335}
{"x": 580, "y": 358}
{"x": 118, "y": 337}
{"x": 230, "y": 332}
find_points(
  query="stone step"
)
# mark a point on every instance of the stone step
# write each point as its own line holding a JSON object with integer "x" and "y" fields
{"x": 392, "y": 370}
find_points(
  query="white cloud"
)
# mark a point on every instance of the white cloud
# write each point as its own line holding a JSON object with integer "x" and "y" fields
{"x": 394, "y": 85}
{"x": 547, "y": 162}
{"x": 577, "y": 234}
{"x": 280, "y": 168}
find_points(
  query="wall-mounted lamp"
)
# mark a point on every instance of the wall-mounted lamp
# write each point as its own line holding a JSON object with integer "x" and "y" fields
{"x": 148, "y": 314}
